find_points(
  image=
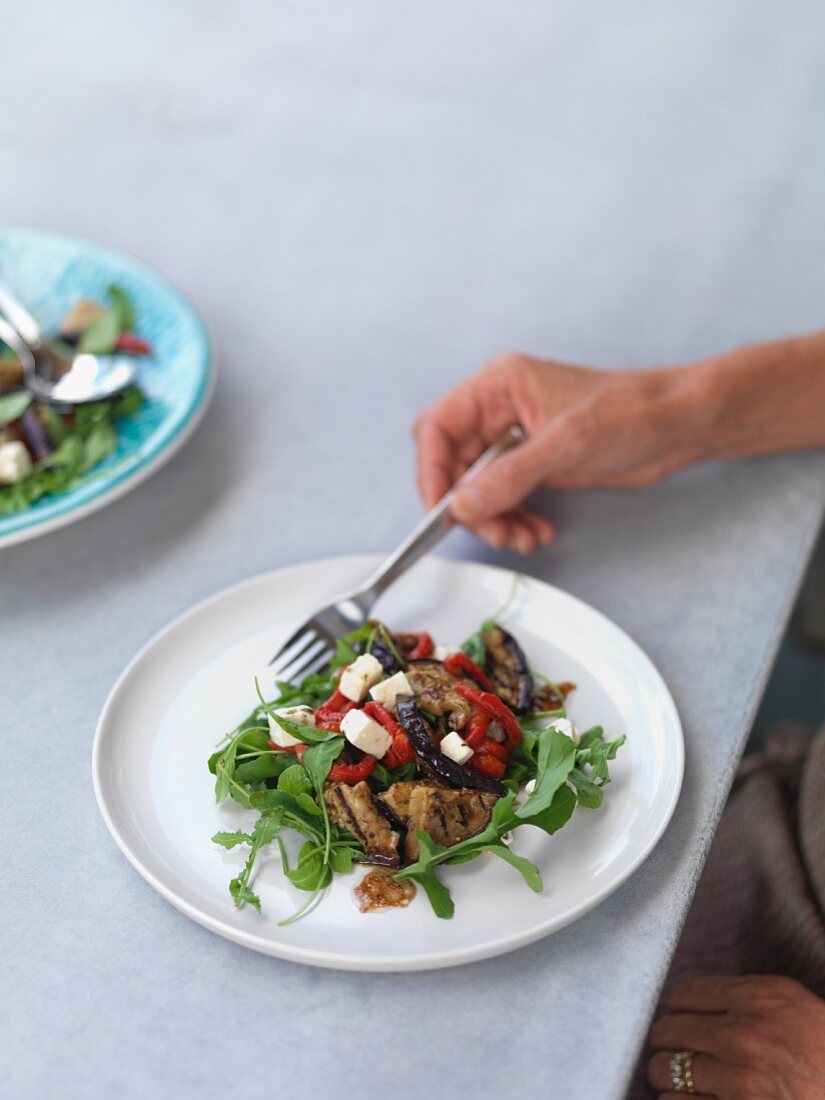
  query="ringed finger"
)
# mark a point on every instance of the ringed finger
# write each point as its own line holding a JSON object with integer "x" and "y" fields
{"x": 708, "y": 1074}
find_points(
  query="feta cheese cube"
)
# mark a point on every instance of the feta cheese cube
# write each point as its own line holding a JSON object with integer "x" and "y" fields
{"x": 15, "y": 462}
{"x": 365, "y": 733}
{"x": 386, "y": 691}
{"x": 442, "y": 652}
{"x": 565, "y": 726}
{"x": 356, "y": 680}
{"x": 304, "y": 716}
{"x": 456, "y": 748}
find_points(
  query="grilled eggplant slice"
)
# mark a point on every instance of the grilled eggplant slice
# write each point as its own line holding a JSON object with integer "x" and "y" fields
{"x": 353, "y": 809}
{"x": 441, "y": 766}
{"x": 448, "y": 816}
{"x": 384, "y": 654}
{"x": 508, "y": 669}
{"x": 435, "y": 690}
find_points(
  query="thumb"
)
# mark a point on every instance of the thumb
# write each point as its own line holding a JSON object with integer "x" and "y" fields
{"x": 503, "y": 485}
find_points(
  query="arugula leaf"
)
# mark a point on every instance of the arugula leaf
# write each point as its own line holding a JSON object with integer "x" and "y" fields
{"x": 293, "y": 813}
{"x": 100, "y": 442}
{"x": 318, "y": 760}
{"x": 312, "y": 872}
{"x": 556, "y": 758}
{"x": 13, "y": 405}
{"x": 265, "y": 830}
{"x": 594, "y": 751}
{"x": 257, "y": 767}
{"x": 311, "y": 692}
{"x": 589, "y": 794}
{"x": 101, "y": 335}
{"x": 294, "y": 780}
{"x": 529, "y": 872}
{"x": 437, "y": 894}
{"x": 225, "y": 770}
{"x": 130, "y": 403}
{"x": 345, "y": 648}
{"x": 341, "y": 859}
{"x": 557, "y": 814}
{"x": 122, "y": 306}
{"x": 231, "y": 840}
{"x": 56, "y": 429}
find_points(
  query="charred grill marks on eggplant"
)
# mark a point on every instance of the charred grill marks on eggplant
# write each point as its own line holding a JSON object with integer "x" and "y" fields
{"x": 354, "y": 809}
{"x": 508, "y": 669}
{"x": 448, "y": 816}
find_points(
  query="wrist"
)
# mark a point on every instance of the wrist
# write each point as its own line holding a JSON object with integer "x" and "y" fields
{"x": 761, "y": 399}
{"x": 685, "y": 404}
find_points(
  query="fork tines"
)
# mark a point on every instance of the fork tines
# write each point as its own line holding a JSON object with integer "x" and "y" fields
{"x": 305, "y": 651}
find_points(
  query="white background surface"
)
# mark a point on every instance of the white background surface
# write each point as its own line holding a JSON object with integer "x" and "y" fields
{"x": 366, "y": 200}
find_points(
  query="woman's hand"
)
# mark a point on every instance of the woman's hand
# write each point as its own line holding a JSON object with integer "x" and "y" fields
{"x": 584, "y": 428}
{"x": 752, "y": 1038}
{"x": 593, "y": 428}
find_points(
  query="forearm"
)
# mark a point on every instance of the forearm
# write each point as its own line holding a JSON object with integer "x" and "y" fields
{"x": 758, "y": 400}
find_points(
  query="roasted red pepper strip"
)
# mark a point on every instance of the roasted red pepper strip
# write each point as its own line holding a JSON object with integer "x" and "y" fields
{"x": 486, "y": 765}
{"x": 459, "y": 664}
{"x": 423, "y": 648}
{"x": 131, "y": 342}
{"x": 476, "y": 729}
{"x": 328, "y": 716}
{"x": 489, "y": 747}
{"x": 352, "y": 773}
{"x": 401, "y": 751}
{"x": 492, "y": 705}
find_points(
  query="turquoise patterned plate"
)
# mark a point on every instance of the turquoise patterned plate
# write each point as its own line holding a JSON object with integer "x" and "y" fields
{"x": 50, "y": 273}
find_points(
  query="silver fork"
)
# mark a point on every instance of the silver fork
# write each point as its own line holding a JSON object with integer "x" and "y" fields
{"x": 313, "y": 643}
{"x": 54, "y": 378}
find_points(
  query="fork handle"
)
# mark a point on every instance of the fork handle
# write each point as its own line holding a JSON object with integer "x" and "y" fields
{"x": 19, "y": 317}
{"x": 432, "y": 527}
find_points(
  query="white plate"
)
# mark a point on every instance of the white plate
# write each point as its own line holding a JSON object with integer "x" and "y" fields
{"x": 195, "y": 680}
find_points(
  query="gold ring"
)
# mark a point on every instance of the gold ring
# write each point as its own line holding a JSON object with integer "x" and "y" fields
{"x": 681, "y": 1071}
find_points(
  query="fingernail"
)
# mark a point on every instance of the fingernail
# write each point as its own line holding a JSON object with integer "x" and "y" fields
{"x": 491, "y": 533}
{"x": 469, "y": 502}
{"x": 524, "y": 544}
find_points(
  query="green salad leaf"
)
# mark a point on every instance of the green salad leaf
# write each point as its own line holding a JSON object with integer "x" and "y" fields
{"x": 78, "y": 449}
{"x": 13, "y": 405}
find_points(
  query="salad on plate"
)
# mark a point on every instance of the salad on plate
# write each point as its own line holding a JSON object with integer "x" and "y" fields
{"x": 408, "y": 756}
{"x": 46, "y": 449}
